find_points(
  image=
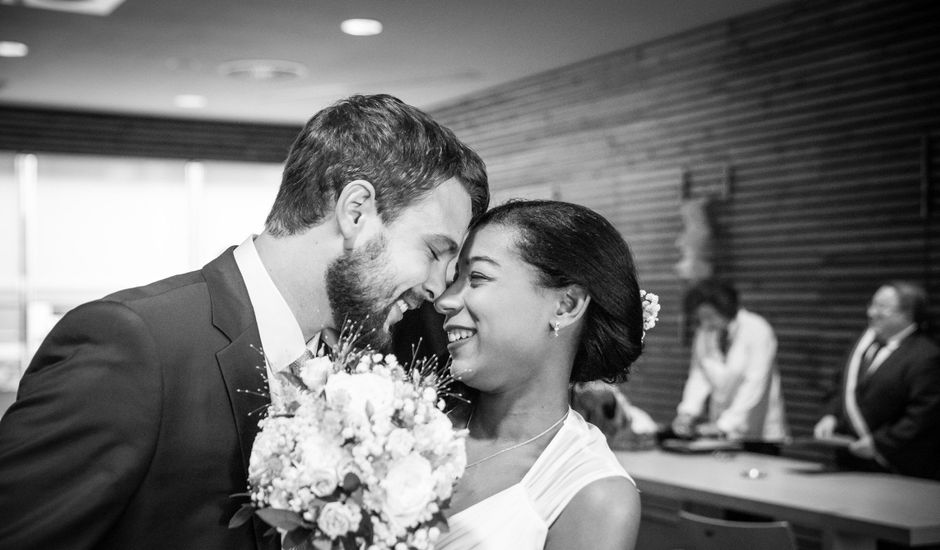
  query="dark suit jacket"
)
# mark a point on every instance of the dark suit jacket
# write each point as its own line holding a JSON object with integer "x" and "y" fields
{"x": 900, "y": 401}
{"x": 134, "y": 422}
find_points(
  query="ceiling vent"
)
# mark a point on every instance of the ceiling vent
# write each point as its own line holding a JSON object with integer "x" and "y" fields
{"x": 263, "y": 70}
{"x": 88, "y": 7}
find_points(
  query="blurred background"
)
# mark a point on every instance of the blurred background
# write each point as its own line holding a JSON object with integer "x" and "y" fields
{"x": 795, "y": 143}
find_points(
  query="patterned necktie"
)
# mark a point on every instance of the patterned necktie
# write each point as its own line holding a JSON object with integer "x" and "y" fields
{"x": 868, "y": 358}
{"x": 322, "y": 349}
{"x": 294, "y": 367}
{"x": 724, "y": 341}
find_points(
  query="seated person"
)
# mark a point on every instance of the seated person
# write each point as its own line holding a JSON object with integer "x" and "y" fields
{"x": 732, "y": 369}
{"x": 888, "y": 401}
{"x": 604, "y": 405}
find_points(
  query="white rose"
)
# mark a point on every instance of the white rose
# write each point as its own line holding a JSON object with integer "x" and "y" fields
{"x": 409, "y": 488}
{"x": 400, "y": 442}
{"x": 278, "y": 499}
{"x": 356, "y": 391}
{"x": 435, "y": 434}
{"x": 315, "y": 372}
{"x": 382, "y": 425}
{"x": 336, "y": 519}
{"x": 445, "y": 477}
{"x": 320, "y": 460}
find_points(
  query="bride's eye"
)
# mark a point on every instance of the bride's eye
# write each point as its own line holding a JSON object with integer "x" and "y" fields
{"x": 476, "y": 277}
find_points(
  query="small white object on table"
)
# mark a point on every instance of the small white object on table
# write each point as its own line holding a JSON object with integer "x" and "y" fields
{"x": 853, "y": 509}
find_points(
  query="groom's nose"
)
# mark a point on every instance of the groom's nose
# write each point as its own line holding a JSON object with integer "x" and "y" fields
{"x": 435, "y": 284}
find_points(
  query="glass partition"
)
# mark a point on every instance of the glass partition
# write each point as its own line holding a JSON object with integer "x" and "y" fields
{"x": 75, "y": 228}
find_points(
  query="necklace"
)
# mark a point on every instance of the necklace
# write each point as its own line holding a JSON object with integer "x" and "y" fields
{"x": 517, "y": 445}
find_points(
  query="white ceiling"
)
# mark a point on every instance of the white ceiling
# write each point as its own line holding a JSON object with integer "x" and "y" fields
{"x": 432, "y": 52}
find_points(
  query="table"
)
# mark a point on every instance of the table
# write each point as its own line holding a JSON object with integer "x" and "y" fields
{"x": 852, "y": 509}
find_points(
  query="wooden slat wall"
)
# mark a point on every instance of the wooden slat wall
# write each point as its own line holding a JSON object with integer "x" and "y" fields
{"x": 50, "y": 131}
{"x": 821, "y": 109}
{"x": 825, "y": 111}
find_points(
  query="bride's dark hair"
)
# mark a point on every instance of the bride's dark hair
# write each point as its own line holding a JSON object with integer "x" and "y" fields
{"x": 568, "y": 244}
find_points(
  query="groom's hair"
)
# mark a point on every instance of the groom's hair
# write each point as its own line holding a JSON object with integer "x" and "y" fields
{"x": 397, "y": 148}
{"x": 568, "y": 244}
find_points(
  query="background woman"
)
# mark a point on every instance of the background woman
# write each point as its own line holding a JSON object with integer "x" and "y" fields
{"x": 545, "y": 294}
{"x": 733, "y": 370}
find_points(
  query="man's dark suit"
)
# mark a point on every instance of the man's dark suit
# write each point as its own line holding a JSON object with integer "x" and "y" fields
{"x": 900, "y": 402}
{"x": 134, "y": 422}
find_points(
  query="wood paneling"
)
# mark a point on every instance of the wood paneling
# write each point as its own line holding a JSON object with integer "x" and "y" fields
{"x": 822, "y": 110}
{"x": 40, "y": 130}
{"x": 825, "y": 111}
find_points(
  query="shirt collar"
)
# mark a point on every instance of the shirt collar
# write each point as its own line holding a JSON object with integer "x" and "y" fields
{"x": 282, "y": 340}
{"x": 735, "y": 323}
{"x": 895, "y": 340}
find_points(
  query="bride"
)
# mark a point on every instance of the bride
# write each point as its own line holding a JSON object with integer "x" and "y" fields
{"x": 545, "y": 295}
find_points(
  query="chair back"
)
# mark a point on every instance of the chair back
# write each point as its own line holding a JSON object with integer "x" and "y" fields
{"x": 704, "y": 533}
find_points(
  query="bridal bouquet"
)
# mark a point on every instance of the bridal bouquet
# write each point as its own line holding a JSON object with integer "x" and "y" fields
{"x": 362, "y": 456}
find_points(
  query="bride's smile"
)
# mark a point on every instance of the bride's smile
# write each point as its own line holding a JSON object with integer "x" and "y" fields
{"x": 490, "y": 310}
{"x": 455, "y": 335}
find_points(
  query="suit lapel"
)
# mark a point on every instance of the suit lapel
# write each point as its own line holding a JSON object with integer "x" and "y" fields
{"x": 241, "y": 362}
{"x": 898, "y": 356}
{"x": 848, "y": 371}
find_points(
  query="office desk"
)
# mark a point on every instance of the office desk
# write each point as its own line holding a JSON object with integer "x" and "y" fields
{"x": 852, "y": 509}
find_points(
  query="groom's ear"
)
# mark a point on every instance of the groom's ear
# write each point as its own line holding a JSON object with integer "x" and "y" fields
{"x": 572, "y": 305}
{"x": 355, "y": 209}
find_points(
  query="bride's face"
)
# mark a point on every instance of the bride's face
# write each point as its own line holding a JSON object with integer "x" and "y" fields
{"x": 496, "y": 316}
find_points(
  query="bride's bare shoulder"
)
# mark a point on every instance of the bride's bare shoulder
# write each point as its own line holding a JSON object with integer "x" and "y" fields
{"x": 604, "y": 515}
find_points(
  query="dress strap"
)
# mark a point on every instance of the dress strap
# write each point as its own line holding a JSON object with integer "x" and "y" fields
{"x": 577, "y": 456}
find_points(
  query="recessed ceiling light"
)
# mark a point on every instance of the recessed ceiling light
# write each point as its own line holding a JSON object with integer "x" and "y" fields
{"x": 263, "y": 69}
{"x": 87, "y": 7}
{"x": 13, "y": 49}
{"x": 190, "y": 101}
{"x": 361, "y": 27}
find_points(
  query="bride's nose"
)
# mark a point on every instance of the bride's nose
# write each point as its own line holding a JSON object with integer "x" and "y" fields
{"x": 448, "y": 302}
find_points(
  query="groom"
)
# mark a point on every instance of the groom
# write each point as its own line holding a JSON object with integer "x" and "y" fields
{"x": 134, "y": 422}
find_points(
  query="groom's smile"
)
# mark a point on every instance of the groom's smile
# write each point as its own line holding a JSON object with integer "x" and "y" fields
{"x": 400, "y": 264}
{"x": 396, "y": 311}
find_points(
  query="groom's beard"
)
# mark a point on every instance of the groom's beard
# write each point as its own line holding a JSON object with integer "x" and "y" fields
{"x": 359, "y": 293}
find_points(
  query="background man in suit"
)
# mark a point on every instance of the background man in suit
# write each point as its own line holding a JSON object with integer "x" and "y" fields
{"x": 890, "y": 391}
{"x": 134, "y": 422}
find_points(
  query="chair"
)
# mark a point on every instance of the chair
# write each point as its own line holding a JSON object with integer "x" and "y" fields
{"x": 704, "y": 533}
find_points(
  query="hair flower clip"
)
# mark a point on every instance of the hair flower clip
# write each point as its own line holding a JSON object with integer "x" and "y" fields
{"x": 650, "y": 310}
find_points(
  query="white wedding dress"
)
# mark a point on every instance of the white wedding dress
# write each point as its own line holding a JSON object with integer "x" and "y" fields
{"x": 519, "y": 516}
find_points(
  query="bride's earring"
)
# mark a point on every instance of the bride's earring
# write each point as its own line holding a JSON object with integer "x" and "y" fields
{"x": 555, "y": 325}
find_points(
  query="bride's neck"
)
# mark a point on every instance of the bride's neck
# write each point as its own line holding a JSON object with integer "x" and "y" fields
{"x": 506, "y": 417}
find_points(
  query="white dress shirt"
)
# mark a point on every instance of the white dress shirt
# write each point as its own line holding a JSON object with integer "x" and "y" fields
{"x": 743, "y": 386}
{"x": 282, "y": 340}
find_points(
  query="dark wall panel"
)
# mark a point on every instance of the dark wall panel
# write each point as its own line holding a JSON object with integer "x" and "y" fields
{"x": 50, "y": 131}
{"x": 825, "y": 114}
